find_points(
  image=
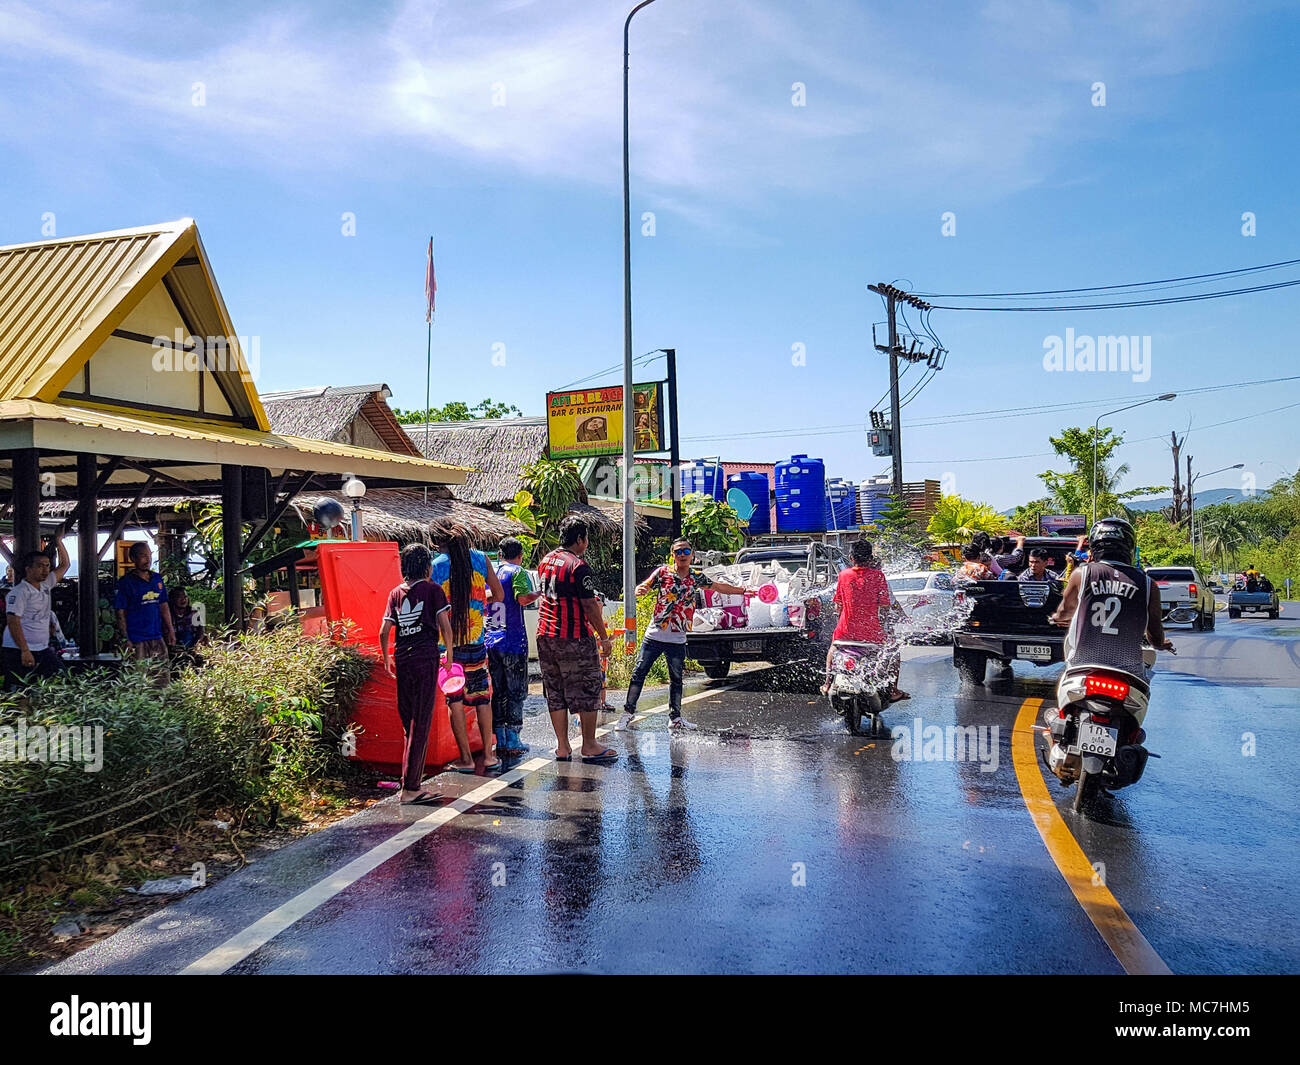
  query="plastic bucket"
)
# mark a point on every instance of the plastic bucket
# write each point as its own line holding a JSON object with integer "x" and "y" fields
{"x": 451, "y": 680}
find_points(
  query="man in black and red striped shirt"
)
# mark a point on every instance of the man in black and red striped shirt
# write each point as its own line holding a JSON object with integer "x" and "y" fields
{"x": 566, "y": 647}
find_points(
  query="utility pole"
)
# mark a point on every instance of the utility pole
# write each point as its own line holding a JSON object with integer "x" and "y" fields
{"x": 629, "y": 423}
{"x": 934, "y": 357}
{"x": 1191, "y": 505}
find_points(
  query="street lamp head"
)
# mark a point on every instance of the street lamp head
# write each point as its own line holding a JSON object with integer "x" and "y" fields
{"x": 1167, "y": 396}
{"x": 1238, "y": 466}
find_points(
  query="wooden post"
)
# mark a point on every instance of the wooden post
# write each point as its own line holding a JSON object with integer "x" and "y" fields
{"x": 232, "y": 487}
{"x": 26, "y": 497}
{"x": 87, "y": 557}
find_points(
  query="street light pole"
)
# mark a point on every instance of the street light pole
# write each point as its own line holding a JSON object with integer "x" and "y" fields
{"x": 1096, "y": 428}
{"x": 629, "y": 426}
{"x": 1191, "y": 495}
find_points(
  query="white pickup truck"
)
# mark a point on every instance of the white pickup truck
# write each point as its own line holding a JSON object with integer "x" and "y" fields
{"x": 802, "y": 648}
{"x": 1185, "y": 596}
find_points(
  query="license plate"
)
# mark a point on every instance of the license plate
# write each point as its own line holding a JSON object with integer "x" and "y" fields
{"x": 749, "y": 645}
{"x": 1097, "y": 739}
{"x": 1037, "y": 652}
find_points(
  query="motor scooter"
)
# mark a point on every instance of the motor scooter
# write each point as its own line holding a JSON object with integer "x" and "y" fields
{"x": 1095, "y": 734}
{"x": 860, "y": 683}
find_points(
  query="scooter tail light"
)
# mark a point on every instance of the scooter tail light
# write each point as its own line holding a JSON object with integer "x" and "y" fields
{"x": 850, "y": 664}
{"x": 1108, "y": 686}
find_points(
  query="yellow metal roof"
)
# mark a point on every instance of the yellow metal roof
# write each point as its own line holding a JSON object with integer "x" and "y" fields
{"x": 62, "y": 427}
{"x": 61, "y": 299}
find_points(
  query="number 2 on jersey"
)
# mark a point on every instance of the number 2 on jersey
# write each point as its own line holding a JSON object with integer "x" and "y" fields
{"x": 1104, "y": 613}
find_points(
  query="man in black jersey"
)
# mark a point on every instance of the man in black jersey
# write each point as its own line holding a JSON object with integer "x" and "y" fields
{"x": 1110, "y": 605}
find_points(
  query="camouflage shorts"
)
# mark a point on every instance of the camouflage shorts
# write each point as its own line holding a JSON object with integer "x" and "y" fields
{"x": 571, "y": 674}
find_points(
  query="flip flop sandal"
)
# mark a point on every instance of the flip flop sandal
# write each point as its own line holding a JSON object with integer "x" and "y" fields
{"x": 466, "y": 769}
{"x": 497, "y": 765}
{"x": 606, "y": 757}
{"x": 425, "y": 798}
{"x": 567, "y": 758}
{"x": 898, "y": 697}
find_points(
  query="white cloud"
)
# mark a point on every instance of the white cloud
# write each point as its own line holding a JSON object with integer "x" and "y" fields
{"x": 894, "y": 109}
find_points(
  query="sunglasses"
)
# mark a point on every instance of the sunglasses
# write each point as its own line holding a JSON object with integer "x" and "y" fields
{"x": 682, "y": 551}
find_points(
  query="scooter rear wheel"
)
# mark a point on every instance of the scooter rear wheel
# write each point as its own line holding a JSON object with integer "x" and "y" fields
{"x": 1086, "y": 791}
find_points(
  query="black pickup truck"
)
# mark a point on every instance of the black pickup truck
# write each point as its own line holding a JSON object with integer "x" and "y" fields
{"x": 1009, "y": 619}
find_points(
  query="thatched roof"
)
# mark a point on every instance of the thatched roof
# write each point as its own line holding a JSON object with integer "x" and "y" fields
{"x": 404, "y": 515}
{"x": 328, "y": 413}
{"x": 387, "y": 514}
{"x": 497, "y": 448}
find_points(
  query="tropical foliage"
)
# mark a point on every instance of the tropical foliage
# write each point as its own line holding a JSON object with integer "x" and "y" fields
{"x": 551, "y": 490}
{"x": 1070, "y": 490}
{"x": 458, "y": 411}
{"x": 956, "y": 520}
{"x": 710, "y": 524}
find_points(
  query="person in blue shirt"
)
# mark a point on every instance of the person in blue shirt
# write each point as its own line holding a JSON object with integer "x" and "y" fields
{"x": 507, "y": 644}
{"x": 143, "y": 617}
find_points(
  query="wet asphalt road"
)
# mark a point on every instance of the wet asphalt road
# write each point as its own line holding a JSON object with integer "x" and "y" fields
{"x": 772, "y": 841}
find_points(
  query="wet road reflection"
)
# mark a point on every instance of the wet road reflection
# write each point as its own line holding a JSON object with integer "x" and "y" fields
{"x": 772, "y": 841}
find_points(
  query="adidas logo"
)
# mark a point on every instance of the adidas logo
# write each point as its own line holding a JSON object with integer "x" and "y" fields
{"x": 409, "y": 618}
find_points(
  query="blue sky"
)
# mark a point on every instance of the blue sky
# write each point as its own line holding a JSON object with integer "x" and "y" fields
{"x": 496, "y": 126}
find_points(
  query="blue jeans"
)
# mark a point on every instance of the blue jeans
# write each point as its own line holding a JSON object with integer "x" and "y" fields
{"x": 509, "y": 688}
{"x": 645, "y": 659}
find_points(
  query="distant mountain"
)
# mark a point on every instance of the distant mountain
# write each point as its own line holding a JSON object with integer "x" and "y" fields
{"x": 1204, "y": 498}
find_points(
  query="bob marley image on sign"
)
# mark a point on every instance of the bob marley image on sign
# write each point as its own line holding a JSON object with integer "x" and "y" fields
{"x": 593, "y": 430}
{"x": 589, "y": 422}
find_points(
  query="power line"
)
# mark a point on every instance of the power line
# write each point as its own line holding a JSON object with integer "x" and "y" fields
{"x": 1106, "y": 288}
{"x": 1131, "y": 303}
{"x": 639, "y": 360}
{"x": 974, "y": 416}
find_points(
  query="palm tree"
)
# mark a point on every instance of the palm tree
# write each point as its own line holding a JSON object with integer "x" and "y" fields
{"x": 1223, "y": 532}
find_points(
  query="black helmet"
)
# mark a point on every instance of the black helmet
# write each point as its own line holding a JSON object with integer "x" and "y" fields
{"x": 1113, "y": 540}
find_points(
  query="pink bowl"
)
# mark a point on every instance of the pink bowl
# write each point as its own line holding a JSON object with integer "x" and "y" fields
{"x": 769, "y": 594}
{"x": 451, "y": 680}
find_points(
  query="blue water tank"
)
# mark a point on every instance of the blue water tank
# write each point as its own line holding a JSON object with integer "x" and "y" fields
{"x": 801, "y": 495}
{"x": 756, "y": 488}
{"x": 841, "y": 504}
{"x": 704, "y": 475}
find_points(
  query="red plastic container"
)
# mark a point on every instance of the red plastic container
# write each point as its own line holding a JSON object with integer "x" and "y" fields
{"x": 355, "y": 579}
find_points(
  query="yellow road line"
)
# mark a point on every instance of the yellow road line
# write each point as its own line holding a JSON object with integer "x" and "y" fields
{"x": 1129, "y": 946}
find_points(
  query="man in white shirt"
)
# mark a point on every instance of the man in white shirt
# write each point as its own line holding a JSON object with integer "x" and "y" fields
{"x": 29, "y": 617}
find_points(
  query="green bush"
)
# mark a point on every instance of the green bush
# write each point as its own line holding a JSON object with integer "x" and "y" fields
{"x": 261, "y": 716}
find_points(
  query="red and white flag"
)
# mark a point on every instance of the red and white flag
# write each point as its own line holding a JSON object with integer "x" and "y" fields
{"x": 430, "y": 285}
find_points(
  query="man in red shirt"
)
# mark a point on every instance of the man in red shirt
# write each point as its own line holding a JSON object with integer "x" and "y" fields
{"x": 864, "y": 604}
{"x": 569, "y": 615}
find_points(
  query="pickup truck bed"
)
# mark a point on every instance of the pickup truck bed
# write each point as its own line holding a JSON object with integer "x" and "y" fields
{"x": 1009, "y": 619}
{"x": 816, "y": 566}
{"x": 1259, "y": 602}
{"x": 716, "y": 650}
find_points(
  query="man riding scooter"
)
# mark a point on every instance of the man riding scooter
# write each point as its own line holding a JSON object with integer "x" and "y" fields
{"x": 1111, "y": 608}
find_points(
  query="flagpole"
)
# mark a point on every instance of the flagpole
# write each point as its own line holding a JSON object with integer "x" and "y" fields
{"x": 428, "y": 370}
{"x": 428, "y": 377}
